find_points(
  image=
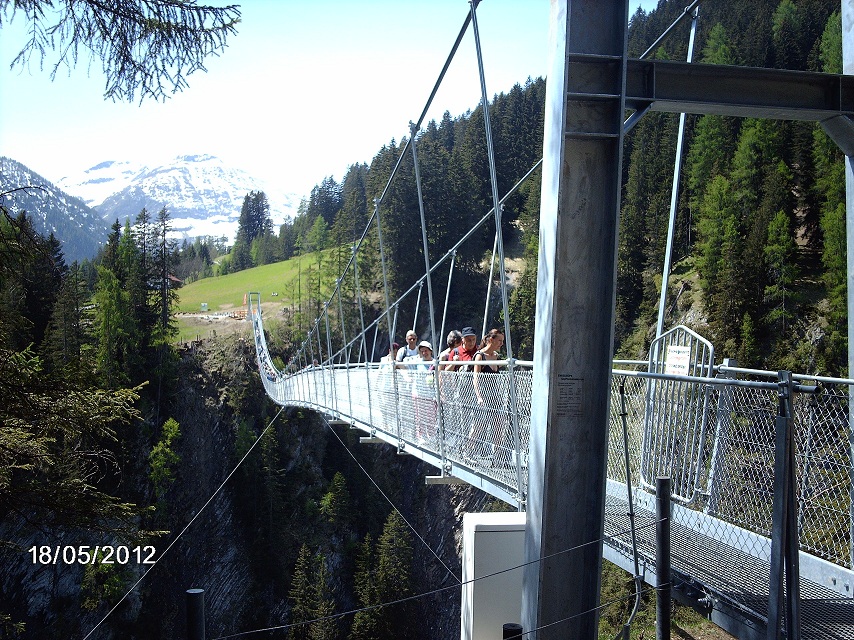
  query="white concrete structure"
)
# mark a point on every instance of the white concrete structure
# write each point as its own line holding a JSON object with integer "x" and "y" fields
{"x": 492, "y": 543}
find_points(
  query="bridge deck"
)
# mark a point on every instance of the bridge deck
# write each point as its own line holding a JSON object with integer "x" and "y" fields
{"x": 731, "y": 583}
{"x": 727, "y": 581}
{"x": 720, "y": 530}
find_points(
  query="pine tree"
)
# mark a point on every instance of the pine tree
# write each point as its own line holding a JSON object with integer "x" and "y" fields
{"x": 254, "y": 223}
{"x": 366, "y": 621}
{"x": 55, "y": 439}
{"x": 780, "y": 254}
{"x": 325, "y": 625}
{"x": 394, "y": 575}
{"x": 302, "y": 596}
{"x": 335, "y": 504}
{"x": 163, "y": 459}
{"x": 717, "y": 244}
{"x": 272, "y": 526}
{"x": 787, "y": 27}
{"x": 165, "y": 298}
{"x": 830, "y": 188}
{"x": 29, "y": 281}
{"x": 66, "y": 334}
{"x": 111, "y": 330}
{"x": 132, "y": 277}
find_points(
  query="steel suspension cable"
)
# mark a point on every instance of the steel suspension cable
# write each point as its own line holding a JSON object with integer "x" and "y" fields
{"x": 453, "y": 250}
{"x": 394, "y": 506}
{"x": 499, "y": 240}
{"x": 378, "y": 201}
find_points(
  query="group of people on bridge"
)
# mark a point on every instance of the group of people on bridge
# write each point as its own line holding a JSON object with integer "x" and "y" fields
{"x": 474, "y": 399}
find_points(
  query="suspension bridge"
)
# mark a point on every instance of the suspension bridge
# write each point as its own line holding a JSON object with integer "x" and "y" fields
{"x": 760, "y": 463}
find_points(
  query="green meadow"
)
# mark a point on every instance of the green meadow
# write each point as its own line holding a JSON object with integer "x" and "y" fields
{"x": 226, "y": 293}
{"x": 223, "y": 293}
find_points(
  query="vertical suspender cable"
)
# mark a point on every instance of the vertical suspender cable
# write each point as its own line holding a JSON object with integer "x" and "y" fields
{"x": 447, "y": 296}
{"x": 389, "y": 322}
{"x": 420, "y": 286}
{"x": 346, "y": 348}
{"x": 489, "y": 285}
{"x": 437, "y": 375}
{"x": 429, "y": 278}
{"x": 333, "y": 390}
{"x": 514, "y": 408}
{"x": 311, "y": 359}
{"x": 674, "y": 195}
{"x": 320, "y": 359}
{"x": 364, "y": 343}
{"x": 376, "y": 332}
{"x": 427, "y": 275}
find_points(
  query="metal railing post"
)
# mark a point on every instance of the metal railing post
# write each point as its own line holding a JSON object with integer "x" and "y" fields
{"x": 195, "y": 614}
{"x": 784, "y": 531}
{"x": 663, "y": 606}
{"x": 723, "y": 417}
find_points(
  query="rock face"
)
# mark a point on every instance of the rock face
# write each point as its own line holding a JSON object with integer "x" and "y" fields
{"x": 219, "y": 537}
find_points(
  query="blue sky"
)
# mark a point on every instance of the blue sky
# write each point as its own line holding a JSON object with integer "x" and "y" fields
{"x": 304, "y": 89}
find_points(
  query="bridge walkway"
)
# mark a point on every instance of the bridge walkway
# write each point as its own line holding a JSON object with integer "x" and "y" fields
{"x": 721, "y": 524}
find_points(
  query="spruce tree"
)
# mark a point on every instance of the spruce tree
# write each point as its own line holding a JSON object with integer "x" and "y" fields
{"x": 111, "y": 329}
{"x": 780, "y": 255}
{"x": 366, "y": 622}
{"x": 830, "y": 192}
{"x": 302, "y": 596}
{"x": 325, "y": 625}
{"x": 66, "y": 334}
{"x": 394, "y": 576}
{"x": 335, "y": 504}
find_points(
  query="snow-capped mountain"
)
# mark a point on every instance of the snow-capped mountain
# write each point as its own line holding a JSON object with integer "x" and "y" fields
{"x": 80, "y": 228}
{"x": 96, "y": 184}
{"x": 201, "y": 193}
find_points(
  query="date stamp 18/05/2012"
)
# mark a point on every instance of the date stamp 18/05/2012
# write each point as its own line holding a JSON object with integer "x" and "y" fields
{"x": 89, "y": 554}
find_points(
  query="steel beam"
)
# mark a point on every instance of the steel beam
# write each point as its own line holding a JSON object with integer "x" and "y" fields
{"x": 848, "y": 67}
{"x": 582, "y": 157}
{"x": 747, "y": 92}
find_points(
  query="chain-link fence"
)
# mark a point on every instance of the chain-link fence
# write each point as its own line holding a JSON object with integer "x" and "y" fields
{"x": 715, "y": 436}
{"x": 733, "y": 468}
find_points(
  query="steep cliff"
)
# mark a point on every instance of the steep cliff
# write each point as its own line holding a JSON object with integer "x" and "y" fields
{"x": 240, "y": 542}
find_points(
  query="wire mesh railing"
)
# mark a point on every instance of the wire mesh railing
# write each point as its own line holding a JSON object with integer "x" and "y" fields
{"x": 734, "y": 463}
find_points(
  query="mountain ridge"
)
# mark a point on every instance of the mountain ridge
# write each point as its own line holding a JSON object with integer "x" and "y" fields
{"x": 52, "y": 210}
{"x": 202, "y": 194}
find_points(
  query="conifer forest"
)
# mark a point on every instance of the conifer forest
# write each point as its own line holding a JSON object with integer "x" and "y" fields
{"x": 114, "y": 434}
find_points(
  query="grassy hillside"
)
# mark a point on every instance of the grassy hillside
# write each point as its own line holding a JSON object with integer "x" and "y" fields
{"x": 222, "y": 293}
{"x": 226, "y": 293}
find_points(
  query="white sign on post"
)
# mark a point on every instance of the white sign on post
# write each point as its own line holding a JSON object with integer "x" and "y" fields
{"x": 678, "y": 361}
